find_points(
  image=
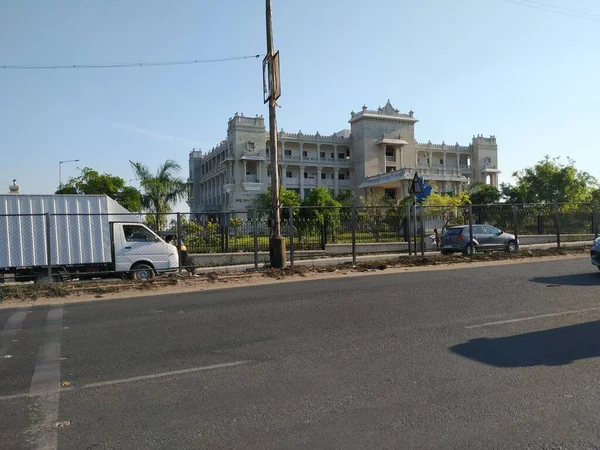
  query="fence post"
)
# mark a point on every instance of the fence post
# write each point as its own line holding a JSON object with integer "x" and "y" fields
{"x": 415, "y": 224}
{"x": 353, "y": 227}
{"x": 409, "y": 237}
{"x": 179, "y": 242}
{"x": 471, "y": 247}
{"x": 595, "y": 220}
{"x": 255, "y": 232}
{"x": 557, "y": 223}
{"x": 291, "y": 236}
{"x": 48, "y": 247}
{"x": 516, "y": 224}
{"x": 422, "y": 227}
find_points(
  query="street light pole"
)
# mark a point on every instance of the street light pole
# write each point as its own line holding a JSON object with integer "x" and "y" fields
{"x": 60, "y": 163}
{"x": 277, "y": 243}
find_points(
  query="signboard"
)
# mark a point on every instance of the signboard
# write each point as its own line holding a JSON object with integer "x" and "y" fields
{"x": 271, "y": 82}
{"x": 415, "y": 186}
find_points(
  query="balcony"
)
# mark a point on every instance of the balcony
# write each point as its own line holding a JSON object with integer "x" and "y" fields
{"x": 252, "y": 183}
{"x": 390, "y": 158}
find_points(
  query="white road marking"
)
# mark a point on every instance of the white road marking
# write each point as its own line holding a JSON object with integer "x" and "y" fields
{"x": 156, "y": 375}
{"x": 524, "y": 319}
{"x": 12, "y": 325}
{"x": 45, "y": 386}
{"x": 130, "y": 380}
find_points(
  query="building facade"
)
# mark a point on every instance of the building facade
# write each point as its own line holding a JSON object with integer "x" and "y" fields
{"x": 379, "y": 153}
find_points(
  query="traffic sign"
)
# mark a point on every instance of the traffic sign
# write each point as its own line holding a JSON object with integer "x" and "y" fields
{"x": 415, "y": 187}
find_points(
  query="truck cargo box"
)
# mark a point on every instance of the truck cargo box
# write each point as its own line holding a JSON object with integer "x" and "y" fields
{"x": 78, "y": 231}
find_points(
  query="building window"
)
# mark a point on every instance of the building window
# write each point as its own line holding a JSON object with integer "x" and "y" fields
{"x": 304, "y": 153}
{"x": 391, "y": 193}
{"x": 389, "y": 169}
{"x": 333, "y": 176}
{"x": 287, "y": 152}
{"x": 341, "y": 176}
{"x": 267, "y": 151}
{"x": 341, "y": 156}
{"x": 323, "y": 176}
{"x": 332, "y": 155}
{"x": 288, "y": 174}
{"x": 322, "y": 154}
{"x": 269, "y": 173}
{"x": 389, "y": 150}
{"x": 441, "y": 161}
{"x": 305, "y": 174}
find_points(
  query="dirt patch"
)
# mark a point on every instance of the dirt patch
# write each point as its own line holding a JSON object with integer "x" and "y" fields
{"x": 14, "y": 295}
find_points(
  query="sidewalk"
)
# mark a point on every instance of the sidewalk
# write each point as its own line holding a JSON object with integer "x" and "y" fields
{"x": 320, "y": 262}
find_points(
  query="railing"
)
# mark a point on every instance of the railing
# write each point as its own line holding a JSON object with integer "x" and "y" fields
{"x": 251, "y": 179}
{"x": 242, "y": 235}
{"x": 390, "y": 158}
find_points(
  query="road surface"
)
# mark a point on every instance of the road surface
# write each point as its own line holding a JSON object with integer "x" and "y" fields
{"x": 503, "y": 357}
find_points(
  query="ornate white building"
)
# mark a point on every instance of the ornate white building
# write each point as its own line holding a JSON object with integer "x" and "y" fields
{"x": 378, "y": 153}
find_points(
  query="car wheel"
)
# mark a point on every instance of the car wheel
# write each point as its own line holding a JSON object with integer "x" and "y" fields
{"x": 470, "y": 250}
{"x": 511, "y": 247}
{"x": 142, "y": 272}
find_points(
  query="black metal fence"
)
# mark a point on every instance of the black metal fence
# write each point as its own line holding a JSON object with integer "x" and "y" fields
{"x": 242, "y": 237}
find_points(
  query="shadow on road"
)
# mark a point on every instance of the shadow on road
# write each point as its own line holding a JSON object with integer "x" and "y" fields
{"x": 582, "y": 279}
{"x": 554, "y": 347}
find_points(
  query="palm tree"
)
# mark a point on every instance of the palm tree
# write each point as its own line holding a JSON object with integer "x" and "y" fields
{"x": 161, "y": 190}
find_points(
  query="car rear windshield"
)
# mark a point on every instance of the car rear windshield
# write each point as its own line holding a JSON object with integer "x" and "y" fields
{"x": 453, "y": 231}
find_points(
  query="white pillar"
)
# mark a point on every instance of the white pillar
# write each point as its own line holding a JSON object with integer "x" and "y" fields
{"x": 336, "y": 181}
{"x": 245, "y": 170}
{"x": 301, "y": 151}
{"x": 284, "y": 176}
{"x": 319, "y": 170}
{"x": 335, "y": 153}
{"x": 302, "y": 182}
{"x": 318, "y": 152}
{"x": 398, "y": 162}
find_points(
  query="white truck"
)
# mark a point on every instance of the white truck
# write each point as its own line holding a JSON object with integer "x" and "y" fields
{"x": 82, "y": 236}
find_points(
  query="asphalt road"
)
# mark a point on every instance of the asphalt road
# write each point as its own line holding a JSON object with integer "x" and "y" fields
{"x": 503, "y": 357}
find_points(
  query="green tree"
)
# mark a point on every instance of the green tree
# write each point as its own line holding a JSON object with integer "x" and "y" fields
{"x": 322, "y": 207}
{"x": 548, "y": 181}
{"x": 484, "y": 194}
{"x": 91, "y": 182}
{"x": 448, "y": 207}
{"x": 160, "y": 190}
{"x": 287, "y": 198}
{"x": 376, "y": 211}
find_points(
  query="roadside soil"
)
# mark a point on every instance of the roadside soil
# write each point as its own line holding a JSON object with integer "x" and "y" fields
{"x": 15, "y": 295}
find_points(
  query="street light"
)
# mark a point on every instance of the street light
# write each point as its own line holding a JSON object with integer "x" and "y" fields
{"x": 60, "y": 163}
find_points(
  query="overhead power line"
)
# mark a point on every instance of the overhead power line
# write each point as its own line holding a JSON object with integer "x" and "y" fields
{"x": 568, "y": 12}
{"x": 132, "y": 64}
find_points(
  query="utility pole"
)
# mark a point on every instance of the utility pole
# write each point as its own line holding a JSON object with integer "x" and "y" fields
{"x": 272, "y": 92}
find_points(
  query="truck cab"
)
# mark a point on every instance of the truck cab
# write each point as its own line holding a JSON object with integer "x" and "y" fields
{"x": 141, "y": 252}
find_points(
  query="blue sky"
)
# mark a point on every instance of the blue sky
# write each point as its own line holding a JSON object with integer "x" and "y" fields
{"x": 465, "y": 67}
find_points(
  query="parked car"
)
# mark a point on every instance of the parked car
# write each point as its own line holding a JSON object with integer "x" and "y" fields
{"x": 485, "y": 238}
{"x": 595, "y": 253}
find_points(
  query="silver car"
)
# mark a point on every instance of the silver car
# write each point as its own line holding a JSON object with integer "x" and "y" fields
{"x": 595, "y": 253}
{"x": 485, "y": 238}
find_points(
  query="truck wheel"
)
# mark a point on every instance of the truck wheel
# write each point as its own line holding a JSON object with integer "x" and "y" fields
{"x": 142, "y": 272}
